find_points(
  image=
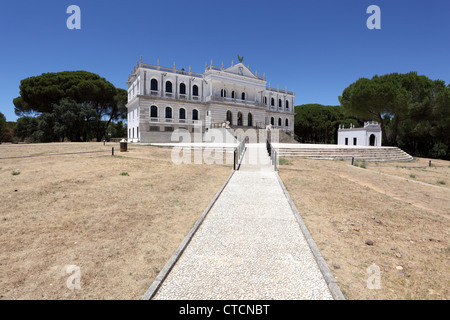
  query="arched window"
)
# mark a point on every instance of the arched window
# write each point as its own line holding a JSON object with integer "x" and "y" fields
{"x": 223, "y": 93}
{"x": 195, "y": 90}
{"x": 279, "y": 122}
{"x": 182, "y": 114}
{"x": 168, "y": 86}
{"x": 243, "y": 96}
{"x": 287, "y": 122}
{"x": 153, "y": 112}
{"x": 250, "y": 120}
{"x": 168, "y": 113}
{"x": 154, "y": 85}
{"x": 233, "y": 94}
{"x": 279, "y": 103}
{"x": 182, "y": 88}
{"x": 272, "y": 121}
{"x": 265, "y": 101}
{"x": 195, "y": 114}
{"x": 229, "y": 117}
{"x": 287, "y": 104}
{"x": 272, "y": 102}
{"x": 239, "y": 119}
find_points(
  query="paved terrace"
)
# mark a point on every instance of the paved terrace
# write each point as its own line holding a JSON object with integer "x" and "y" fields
{"x": 249, "y": 246}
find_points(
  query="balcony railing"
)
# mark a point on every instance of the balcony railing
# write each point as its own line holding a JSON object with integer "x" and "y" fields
{"x": 174, "y": 121}
{"x": 235, "y": 101}
{"x": 226, "y": 100}
{"x": 170, "y": 96}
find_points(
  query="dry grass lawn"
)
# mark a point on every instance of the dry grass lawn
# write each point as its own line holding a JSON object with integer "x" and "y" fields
{"x": 408, "y": 223}
{"x": 437, "y": 174}
{"x": 119, "y": 219}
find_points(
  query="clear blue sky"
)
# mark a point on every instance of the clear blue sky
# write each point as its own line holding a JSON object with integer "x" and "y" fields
{"x": 316, "y": 47}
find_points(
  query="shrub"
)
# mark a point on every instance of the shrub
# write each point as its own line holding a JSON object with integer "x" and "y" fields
{"x": 284, "y": 161}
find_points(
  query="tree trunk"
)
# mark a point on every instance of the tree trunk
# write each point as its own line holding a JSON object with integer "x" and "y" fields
{"x": 395, "y": 130}
{"x": 437, "y": 150}
{"x": 383, "y": 129}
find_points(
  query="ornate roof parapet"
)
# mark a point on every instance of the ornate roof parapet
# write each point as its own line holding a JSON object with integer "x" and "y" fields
{"x": 371, "y": 124}
{"x": 208, "y": 68}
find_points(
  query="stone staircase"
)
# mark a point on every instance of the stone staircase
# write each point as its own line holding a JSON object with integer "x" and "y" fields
{"x": 288, "y": 147}
{"x": 263, "y": 134}
{"x": 257, "y": 135}
{"x": 334, "y": 152}
{"x": 256, "y": 158}
{"x": 282, "y": 136}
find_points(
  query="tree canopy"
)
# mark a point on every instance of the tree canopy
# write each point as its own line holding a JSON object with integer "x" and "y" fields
{"x": 391, "y": 98}
{"x": 316, "y": 123}
{"x": 3, "y": 125}
{"x": 72, "y": 103}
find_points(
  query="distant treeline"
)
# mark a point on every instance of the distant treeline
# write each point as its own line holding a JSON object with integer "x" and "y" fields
{"x": 316, "y": 123}
{"x": 413, "y": 112}
{"x": 68, "y": 106}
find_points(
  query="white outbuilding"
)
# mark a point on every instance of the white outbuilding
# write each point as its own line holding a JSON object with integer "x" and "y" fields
{"x": 370, "y": 135}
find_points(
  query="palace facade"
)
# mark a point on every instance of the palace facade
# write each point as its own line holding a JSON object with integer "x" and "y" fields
{"x": 162, "y": 99}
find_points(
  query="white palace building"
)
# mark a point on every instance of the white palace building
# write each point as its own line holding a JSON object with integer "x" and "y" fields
{"x": 162, "y": 99}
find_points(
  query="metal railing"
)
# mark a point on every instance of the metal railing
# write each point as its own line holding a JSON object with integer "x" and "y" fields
{"x": 234, "y": 101}
{"x": 171, "y": 96}
{"x": 238, "y": 155}
{"x": 273, "y": 155}
{"x": 171, "y": 70}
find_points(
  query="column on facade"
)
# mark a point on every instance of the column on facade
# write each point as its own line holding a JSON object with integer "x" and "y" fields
{"x": 176, "y": 87}
{"x": 190, "y": 85}
{"x": 210, "y": 88}
{"x": 147, "y": 86}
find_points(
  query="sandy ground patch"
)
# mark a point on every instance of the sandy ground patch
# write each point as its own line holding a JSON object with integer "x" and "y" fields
{"x": 437, "y": 174}
{"x": 118, "y": 219}
{"x": 407, "y": 222}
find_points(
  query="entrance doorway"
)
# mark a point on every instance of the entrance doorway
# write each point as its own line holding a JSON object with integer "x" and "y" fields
{"x": 372, "y": 140}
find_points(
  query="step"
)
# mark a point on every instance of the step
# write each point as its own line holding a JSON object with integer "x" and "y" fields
{"x": 338, "y": 153}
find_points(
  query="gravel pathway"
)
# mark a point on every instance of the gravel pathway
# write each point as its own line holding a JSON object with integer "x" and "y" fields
{"x": 250, "y": 246}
